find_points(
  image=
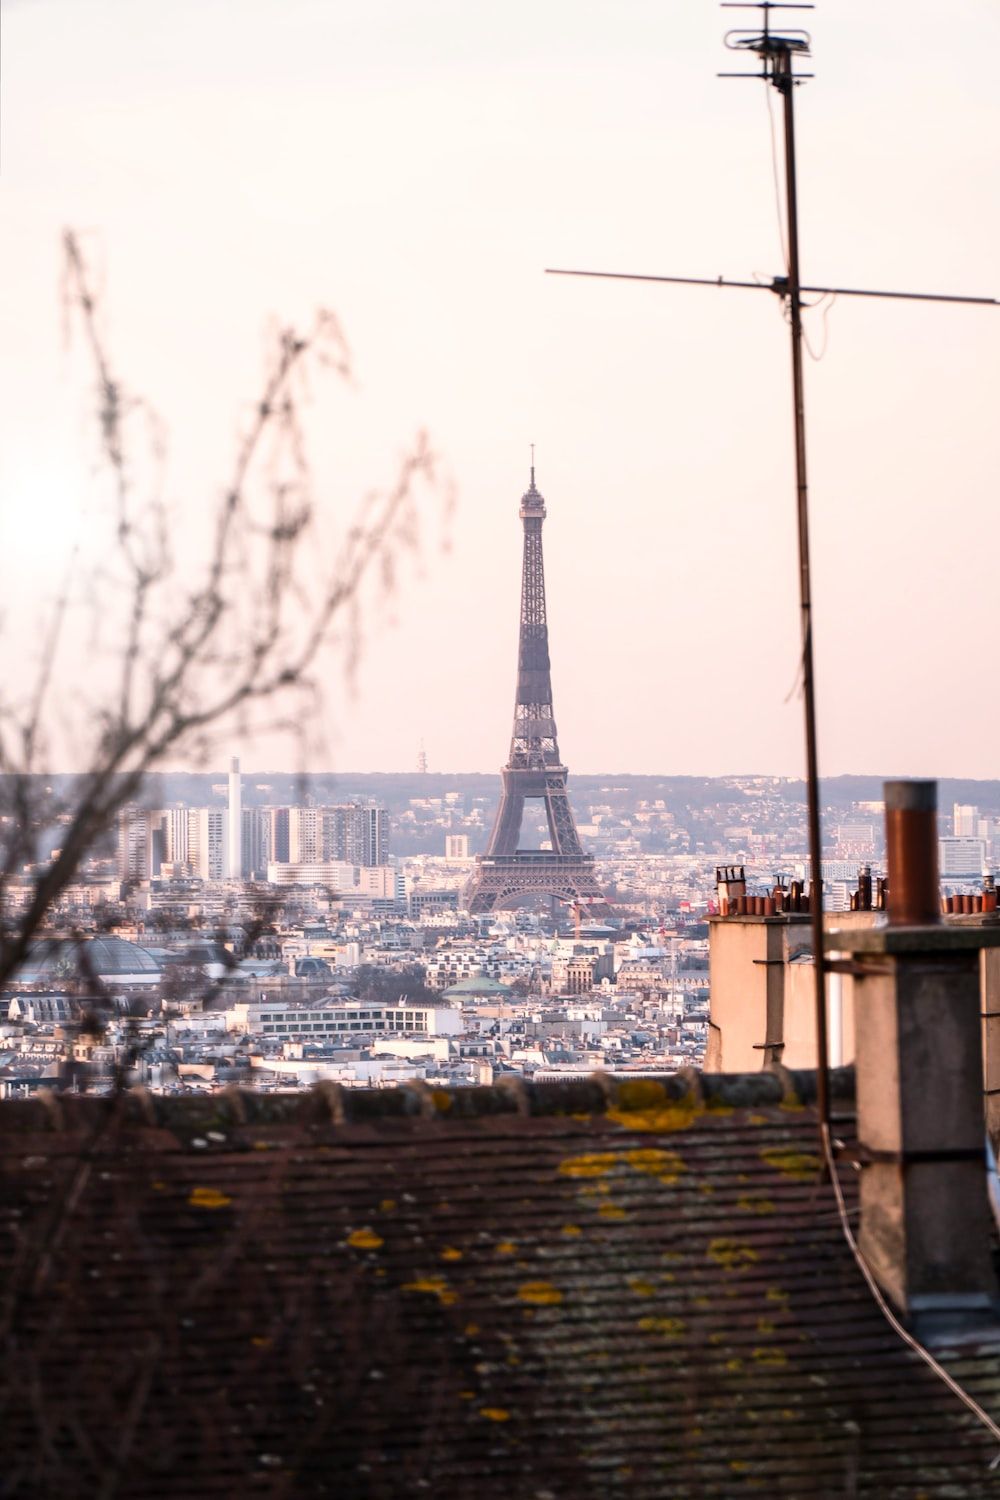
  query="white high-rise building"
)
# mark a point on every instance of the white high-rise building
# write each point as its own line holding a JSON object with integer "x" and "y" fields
{"x": 965, "y": 821}
{"x": 256, "y": 842}
{"x": 207, "y": 835}
{"x": 133, "y": 843}
{"x": 962, "y": 856}
{"x": 234, "y": 845}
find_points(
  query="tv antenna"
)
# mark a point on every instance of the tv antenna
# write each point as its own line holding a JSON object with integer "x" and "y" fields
{"x": 777, "y": 53}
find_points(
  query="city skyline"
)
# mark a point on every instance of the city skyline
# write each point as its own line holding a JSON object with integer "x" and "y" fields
{"x": 531, "y": 1130}
{"x": 418, "y": 178}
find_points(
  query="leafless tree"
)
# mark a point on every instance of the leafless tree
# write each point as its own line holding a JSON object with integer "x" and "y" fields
{"x": 202, "y": 648}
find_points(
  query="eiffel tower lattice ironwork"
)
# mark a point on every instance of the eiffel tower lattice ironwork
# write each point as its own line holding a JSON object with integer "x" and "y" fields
{"x": 506, "y": 874}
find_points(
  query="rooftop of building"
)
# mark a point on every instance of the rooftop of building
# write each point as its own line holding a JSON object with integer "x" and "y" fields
{"x": 52, "y": 959}
{"x": 572, "y": 1289}
{"x": 477, "y": 986}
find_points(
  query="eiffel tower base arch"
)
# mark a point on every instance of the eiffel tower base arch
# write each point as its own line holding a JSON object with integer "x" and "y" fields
{"x": 501, "y": 881}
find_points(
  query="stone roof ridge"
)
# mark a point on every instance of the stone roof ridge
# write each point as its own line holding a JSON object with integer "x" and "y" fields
{"x": 332, "y": 1103}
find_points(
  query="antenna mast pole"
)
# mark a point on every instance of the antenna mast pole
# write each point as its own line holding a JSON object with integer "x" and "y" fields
{"x": 777, "y": 55}
{"x": 780, "y": 52}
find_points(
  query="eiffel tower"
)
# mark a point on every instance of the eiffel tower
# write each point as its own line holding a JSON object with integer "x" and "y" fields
{"x": 534, "y": 770}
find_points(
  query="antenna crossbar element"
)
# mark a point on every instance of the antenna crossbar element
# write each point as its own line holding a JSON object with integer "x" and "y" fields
{"x": 778, "y": 284}
{"x": 776, "y": 52}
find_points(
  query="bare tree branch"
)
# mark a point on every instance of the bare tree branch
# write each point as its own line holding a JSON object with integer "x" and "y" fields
{"x": 191, "y": 660}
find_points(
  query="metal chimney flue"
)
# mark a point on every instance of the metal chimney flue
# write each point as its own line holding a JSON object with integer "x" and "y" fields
{"x": 914, "y": 898}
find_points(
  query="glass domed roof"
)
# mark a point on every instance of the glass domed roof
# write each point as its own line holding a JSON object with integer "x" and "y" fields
{"x": 53, "y": 959}
{"x": 112, "y": 955}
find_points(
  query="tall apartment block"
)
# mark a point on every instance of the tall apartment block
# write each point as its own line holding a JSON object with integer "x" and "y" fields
{"x": 237, "y": 842}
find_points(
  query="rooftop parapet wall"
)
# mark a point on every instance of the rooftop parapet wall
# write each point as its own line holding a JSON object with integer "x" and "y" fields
{"x": 330, "y": 1103}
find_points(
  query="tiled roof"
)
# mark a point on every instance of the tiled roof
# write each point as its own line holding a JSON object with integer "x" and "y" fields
{"x": 565, "y": 1290}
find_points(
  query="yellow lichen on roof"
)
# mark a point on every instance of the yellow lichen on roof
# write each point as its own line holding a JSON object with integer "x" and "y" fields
{"x": 641, "y": 1093}
{"x": 592, "y": 1164}
{"x": 771, "y": 1355}
{"x": 644, "y": 1104}
{"x": 664, "y": 1118}
{"x": 666, "y": 1166}
{"x": 751, "y": 1205}
{"x": 495, "y": 1413}
{"x": 541, "y": 1293}
{"x": 800, "y": 1166}
{"x": 436, "y": 1285}
{"x": 451, "y": 1253}
{"x": 730, "y": 1254}
{"x": 206, "y": 1197}
{"x": 671, "y": 1328}
{"x": 365, "y": 1239}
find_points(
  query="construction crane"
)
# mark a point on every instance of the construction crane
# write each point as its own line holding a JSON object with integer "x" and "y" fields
{"x": 576, "y": 907}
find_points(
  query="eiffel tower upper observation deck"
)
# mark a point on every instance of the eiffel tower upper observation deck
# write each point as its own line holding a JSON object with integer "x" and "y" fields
{"x": 505, "y": 873}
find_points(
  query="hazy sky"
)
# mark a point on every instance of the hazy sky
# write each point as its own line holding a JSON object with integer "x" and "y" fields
{"x": 414, "y": 164}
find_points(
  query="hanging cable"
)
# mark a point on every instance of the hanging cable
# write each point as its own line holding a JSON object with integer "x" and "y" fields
{"x": 826, "y": 302}
{"x": 881, "y": 1302}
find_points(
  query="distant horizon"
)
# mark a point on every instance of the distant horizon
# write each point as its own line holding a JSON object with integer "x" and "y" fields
{"x": 222, "y": 771}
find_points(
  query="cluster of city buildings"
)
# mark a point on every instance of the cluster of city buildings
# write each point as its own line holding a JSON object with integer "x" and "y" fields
{"x": 354, "y": 996}
{"x": 288, "y": 845}
{"x": 332, "y": 957}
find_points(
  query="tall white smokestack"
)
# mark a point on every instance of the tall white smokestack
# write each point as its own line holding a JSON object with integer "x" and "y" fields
{"x": 234, "y": 860}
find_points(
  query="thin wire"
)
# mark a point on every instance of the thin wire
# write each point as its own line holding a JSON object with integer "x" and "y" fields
{"x": 928, "y": 1358}
{"x": 826, "y": 301}
{"x": 796, "y": 687}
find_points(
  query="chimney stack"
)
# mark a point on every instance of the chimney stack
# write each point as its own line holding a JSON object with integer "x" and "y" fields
{"x": 925, "y": 1221}
{"x": 730, "y": 885}
{"x": 911, "y": 839}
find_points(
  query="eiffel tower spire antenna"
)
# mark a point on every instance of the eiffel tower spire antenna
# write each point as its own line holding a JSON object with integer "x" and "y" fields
{"x": 534, "y": 768}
